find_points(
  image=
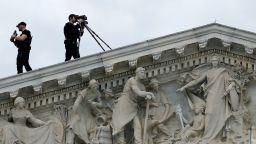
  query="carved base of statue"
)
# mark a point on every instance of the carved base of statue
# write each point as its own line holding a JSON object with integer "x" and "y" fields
{"x": 21, "y": 134}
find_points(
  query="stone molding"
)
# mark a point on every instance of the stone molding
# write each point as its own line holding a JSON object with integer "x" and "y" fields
{"x": 159, "y": 66}
{"x": 109, "y": 69}
{"x": 37, "y": 88}
{"x": 62, "y": 80}
{"x": 133, "y": 63}
{"x": 169, "y": 66}
{"x": 156, "y": 56}
{"x": 202, "y": 44}
{"x": 177, "y": 40}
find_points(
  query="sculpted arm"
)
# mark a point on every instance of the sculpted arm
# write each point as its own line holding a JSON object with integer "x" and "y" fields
{"x": 140, "y": 92}
{"x": 194, "y": 82}
{"x": 78, "y": 100}
{"x": 98, "y": 104}
{"x": 34, "y": 121}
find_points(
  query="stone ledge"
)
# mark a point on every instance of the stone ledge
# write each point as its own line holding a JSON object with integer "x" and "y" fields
{"x": 149, "y": 47}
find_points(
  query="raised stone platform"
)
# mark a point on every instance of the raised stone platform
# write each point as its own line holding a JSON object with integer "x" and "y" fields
{"x": 53, "y": 90}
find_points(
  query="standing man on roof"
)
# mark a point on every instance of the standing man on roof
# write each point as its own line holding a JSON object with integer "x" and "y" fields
{"x": 72, "y": 31}
{"x": 23, "y": 43}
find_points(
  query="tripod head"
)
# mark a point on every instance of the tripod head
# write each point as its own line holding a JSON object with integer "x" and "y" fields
{"x": 82, "y": 21}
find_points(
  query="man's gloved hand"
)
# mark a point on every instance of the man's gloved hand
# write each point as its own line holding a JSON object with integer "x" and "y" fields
{"x": 14, "y": 35}
{"x": 12, "y": 38}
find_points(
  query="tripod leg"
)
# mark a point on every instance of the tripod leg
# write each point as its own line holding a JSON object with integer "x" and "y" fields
{"x": 94, "y": 38}
{"x": 88, "y": 28}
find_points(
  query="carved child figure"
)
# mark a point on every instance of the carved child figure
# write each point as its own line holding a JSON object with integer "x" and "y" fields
{"x": 196, "y": 125}
{"x": 105, "y": 107}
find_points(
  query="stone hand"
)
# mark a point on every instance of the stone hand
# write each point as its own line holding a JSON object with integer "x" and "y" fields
{"x": 148, "y": 97}
{"x": 229, "y": 88}
{"x": 180, "y": 89}
{"x": 225, "y": 93}
{"x": 48, "y": 122}
{"x": 154, "y": 123}
{"x": 91, "y": 102}
{"x": 27, "y": 117}
{"x": 153, "y": 97}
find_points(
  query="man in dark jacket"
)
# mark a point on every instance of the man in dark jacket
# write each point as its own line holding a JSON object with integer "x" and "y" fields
{"x": 72, "y": 31}
{"x": 23, "y": 43}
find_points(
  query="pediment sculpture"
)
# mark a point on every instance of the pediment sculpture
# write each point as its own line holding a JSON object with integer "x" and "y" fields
{"x": 215, "y": 109}
{"x": 23, "y": 128}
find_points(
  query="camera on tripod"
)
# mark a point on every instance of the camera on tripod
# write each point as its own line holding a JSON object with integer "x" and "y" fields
{"x": 82, "y": 19}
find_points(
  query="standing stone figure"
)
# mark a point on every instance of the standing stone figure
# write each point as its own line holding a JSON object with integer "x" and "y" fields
{"x": 126, "y": 109}
{"x": 221, "y": 98}
{"x": 17, "y": 131}
{"x": 160, "y": 112}
{"x": 82, "y": 123}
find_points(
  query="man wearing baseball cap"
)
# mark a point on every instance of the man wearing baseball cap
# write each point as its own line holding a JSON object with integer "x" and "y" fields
{"x": 23, "y": 43}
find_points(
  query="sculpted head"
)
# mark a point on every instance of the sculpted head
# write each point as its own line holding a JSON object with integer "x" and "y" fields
{"x": 108, "y": 93}
{"x": 140, "y": 73}
{"x": 93, "y": 84}
{"x": 154, "y": 84}
{"x": 199, "y": 107}
{"x": 215, "y": 60}
{"x": 19, "y": 102}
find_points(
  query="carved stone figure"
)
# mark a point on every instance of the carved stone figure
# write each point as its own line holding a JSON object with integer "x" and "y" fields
{"x": 126, "y": 109}
{"x": 220, "y": 96}
{"x": 106, "y": 107}
{"x": 83, "y": 119}
{"x": 196, "y": 125}
{"x": 104, "y": 117}
{"x": 19, "y": 132}
{"x": 160, "y": 112}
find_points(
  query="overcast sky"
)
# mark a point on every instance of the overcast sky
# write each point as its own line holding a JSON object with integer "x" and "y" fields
{"x": 118, "y": 22}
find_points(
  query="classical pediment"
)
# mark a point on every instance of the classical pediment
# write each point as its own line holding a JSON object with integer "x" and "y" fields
{"x": 178, "y": 46}
{"x": 166, "y": 58}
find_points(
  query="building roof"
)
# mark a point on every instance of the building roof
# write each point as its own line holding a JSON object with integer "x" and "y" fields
{"x": 129, "y": 53}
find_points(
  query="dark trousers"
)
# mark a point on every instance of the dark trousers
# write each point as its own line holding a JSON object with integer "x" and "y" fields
{"x": 72, "y": 50}
{"x": 22, "y": 60}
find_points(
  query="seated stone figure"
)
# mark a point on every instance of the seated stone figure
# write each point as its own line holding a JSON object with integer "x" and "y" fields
{"x": 160, "y": 112}
{"x": 196, "y": 124}
{"x": 17, "y": 131}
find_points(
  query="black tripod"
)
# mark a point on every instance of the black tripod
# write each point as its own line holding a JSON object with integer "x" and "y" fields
{"x": 95, "y": 36}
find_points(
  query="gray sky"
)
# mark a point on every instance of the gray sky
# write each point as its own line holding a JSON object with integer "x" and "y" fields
{"x": 118, "y": 22}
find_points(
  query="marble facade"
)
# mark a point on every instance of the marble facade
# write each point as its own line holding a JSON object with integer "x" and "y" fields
{"x": 174, "y": 60}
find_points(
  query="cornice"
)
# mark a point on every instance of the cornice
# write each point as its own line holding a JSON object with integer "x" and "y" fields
{"x": 128, "y": 53}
